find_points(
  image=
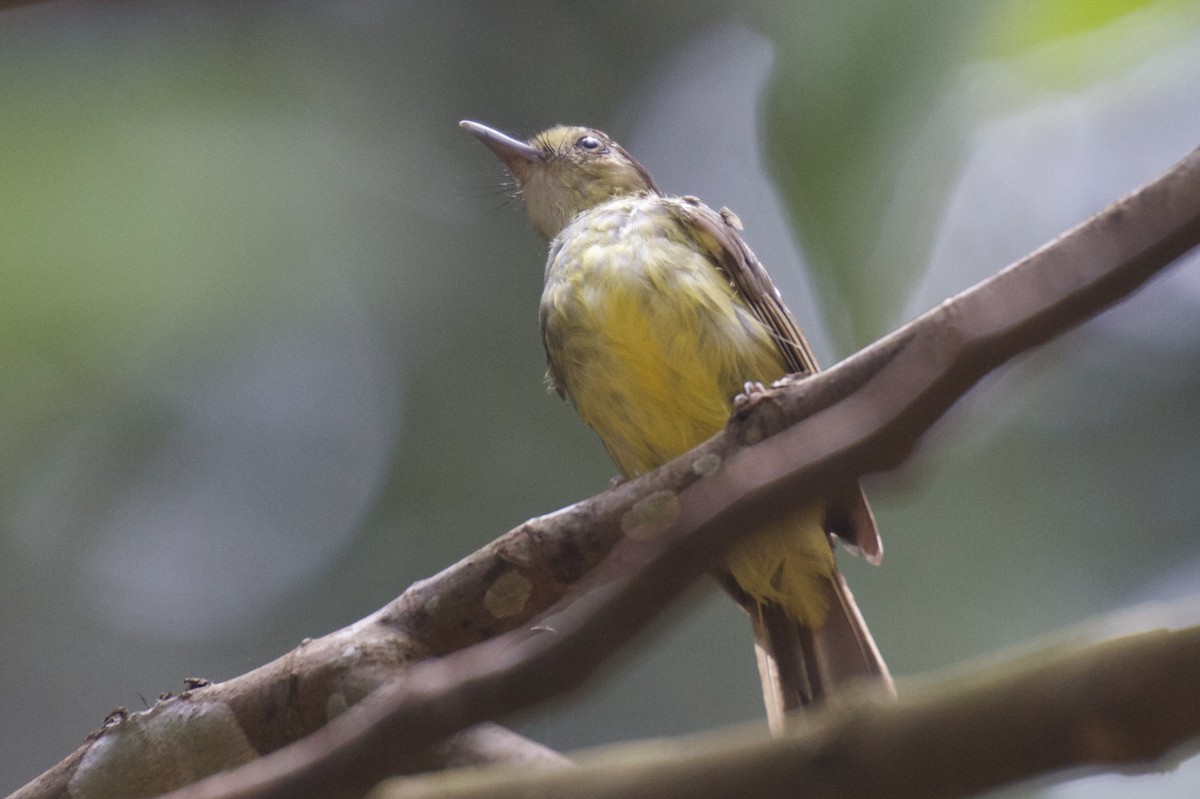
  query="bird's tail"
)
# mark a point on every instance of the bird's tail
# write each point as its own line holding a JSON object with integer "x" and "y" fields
{"x": 802, "y": 666}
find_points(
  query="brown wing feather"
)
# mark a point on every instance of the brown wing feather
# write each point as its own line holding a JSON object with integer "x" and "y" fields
{"x": 718, "y": 234}
{"x": 798, "y": 666}
{"x": 848, "y": 516}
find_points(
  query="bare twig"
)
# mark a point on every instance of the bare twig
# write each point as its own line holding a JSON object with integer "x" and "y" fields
{"x": 498, "y": 588}
{"x": 863, "y": 415}
{"x": 1123, "y": 703}
{"x": 893, "y": 390}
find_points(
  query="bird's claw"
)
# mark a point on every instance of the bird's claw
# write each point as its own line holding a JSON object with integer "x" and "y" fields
{"x": 752, "y": 392}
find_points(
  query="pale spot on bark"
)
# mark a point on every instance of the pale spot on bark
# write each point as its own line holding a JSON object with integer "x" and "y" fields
{"x": 707, "y": 464}
{"x": 170, "y": 745}
{"x": 508, "y": 595}
{"x": 336, "y": 705}
{"x": 651, "y": 516}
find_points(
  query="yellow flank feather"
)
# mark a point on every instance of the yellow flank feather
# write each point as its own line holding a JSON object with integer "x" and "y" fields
{"x": 651, "y": 343}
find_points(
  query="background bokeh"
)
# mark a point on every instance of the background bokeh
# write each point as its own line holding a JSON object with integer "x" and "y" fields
{"x": 268, "y": 335}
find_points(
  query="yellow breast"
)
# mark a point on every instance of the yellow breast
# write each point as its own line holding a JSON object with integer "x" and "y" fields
{"x": 651, "y": 343}
{"x": 645, "y": 334}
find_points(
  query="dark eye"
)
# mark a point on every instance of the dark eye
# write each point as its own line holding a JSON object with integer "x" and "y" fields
{"x": 590, "y": 143}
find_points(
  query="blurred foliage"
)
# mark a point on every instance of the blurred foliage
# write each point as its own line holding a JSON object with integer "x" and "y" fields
{"x": 849, "y": 91}
{"x": 1017, "y": 27}
{"x": 268, "y": 326}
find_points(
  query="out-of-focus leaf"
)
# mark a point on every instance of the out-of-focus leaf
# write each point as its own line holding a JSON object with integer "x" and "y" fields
{"x": 854, "y": 83}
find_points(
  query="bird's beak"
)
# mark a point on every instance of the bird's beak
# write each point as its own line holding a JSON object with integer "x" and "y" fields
{"x": 515, "y": 153}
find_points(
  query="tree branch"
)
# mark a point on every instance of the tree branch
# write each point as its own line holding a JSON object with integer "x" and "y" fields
{"x": 1123, "y": 703}
{"x": 863, "y": 415}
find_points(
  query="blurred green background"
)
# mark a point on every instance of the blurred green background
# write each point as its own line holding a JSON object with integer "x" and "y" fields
{"x": 268, "y": 331}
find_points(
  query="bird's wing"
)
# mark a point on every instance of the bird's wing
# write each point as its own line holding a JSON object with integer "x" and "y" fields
{"x": 718, "y": 233}
{"x": 847, "y": 515}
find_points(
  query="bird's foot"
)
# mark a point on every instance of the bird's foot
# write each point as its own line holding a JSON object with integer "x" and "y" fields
{"x": 752, "y": 393}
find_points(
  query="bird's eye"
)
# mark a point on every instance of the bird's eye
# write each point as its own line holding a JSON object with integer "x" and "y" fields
{"x": 590, "y": 143}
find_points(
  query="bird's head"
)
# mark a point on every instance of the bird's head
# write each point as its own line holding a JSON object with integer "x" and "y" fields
{"x": 564, "y": 171}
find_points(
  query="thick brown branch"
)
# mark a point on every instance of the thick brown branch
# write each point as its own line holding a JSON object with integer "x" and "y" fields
{"x": 498, "y": 588}
{"x": 1125, "y": 703}
{"x": 863, "y": 415}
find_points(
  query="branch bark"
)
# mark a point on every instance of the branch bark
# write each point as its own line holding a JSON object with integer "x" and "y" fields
{"x": 863, "y": 415}
{"x": 1124, "y": 703}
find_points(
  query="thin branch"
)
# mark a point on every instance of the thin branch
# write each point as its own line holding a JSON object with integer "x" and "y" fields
{"x": 490, "y": 744}
{"x": 863, "y": 415}
{"x": 1126, "y": 703}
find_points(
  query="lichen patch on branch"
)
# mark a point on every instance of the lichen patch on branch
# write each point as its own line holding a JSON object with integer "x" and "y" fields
{"x": 651, "y": 516}
{"x": 508, "y": 595}
{"x": 707, "y": 464}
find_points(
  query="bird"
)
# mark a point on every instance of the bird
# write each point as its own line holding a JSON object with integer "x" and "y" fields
{"x": 655, "y": 316}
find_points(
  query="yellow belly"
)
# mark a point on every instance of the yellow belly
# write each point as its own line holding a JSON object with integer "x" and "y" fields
{"x": 651, "y": 344}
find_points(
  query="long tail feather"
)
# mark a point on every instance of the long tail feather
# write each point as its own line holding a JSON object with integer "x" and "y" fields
{"x": 800, "y": 666}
